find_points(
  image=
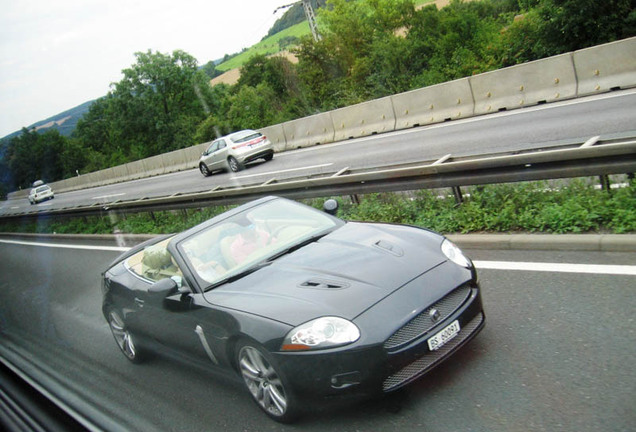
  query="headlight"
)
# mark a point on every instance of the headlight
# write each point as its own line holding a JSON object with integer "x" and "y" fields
{"x": 455, "y": 254}
{"x": 325, "y": 332}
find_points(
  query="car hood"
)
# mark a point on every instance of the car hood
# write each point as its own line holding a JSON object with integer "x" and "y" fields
{"x": 343, "y": 274}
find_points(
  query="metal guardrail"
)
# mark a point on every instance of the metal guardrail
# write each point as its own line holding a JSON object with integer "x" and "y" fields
{"x": 591, "y": 158}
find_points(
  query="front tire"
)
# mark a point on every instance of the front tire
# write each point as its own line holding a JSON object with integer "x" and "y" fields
{"x": 204, "y": 170}
{"x": 125, "y": 340}
{"x": 263, "y": 380}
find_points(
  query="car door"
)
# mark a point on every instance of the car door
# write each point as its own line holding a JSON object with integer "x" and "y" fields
{"x": 208, "y": 156}
{"x": 170, "y": 320}
{"x": 219, "y": 156}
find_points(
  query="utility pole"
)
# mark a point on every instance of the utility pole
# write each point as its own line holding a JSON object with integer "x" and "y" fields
{"x": 309, "y": 13}
{"x": 311, "y": 17}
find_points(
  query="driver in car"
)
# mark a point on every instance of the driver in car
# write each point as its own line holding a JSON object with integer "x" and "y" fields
{"x": 248, "y": 241}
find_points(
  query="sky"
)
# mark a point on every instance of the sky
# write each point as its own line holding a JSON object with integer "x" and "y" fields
{"x": 57, "y": 54}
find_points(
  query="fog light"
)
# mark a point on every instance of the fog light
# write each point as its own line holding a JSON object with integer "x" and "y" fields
{"x": 345, "y": 380}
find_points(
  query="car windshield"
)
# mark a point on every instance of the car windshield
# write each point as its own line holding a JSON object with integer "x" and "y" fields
{"x": 42, "y": 189}
{"x": 251, "y": 238}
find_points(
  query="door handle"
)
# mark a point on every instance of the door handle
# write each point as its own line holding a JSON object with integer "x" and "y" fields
{"x": 139, "y": 302}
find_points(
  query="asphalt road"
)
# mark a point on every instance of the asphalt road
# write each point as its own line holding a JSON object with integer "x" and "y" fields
{"x": 557, "y": 354}
{"x": 542, "y": 126}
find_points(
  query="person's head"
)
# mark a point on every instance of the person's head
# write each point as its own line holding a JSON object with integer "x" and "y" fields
{"x": 249, "y": 233}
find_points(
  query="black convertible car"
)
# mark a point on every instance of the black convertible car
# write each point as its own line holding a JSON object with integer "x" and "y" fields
{"x": 299, "y": 303}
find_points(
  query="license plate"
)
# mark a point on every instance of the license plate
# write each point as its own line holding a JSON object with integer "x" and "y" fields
{"x": 438, "y": 340}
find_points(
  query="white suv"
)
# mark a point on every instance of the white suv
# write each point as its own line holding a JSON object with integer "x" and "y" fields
{"x": 234, "y": 151}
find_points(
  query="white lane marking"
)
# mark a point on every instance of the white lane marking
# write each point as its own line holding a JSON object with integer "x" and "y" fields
{"x": 283, "y": 171}
{"x": 109, "y": 196}
{"x": 66, "y": 246}
{"x": 557, "y": 267}
{"x": 481, "y": 265}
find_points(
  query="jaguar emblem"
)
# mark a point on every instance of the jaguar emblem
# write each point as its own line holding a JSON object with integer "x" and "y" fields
{"x": 434, "y": 315}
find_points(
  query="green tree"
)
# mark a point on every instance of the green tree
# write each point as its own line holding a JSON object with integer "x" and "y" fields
{"x": 252, "y": 108}
{"x": 551, "y": 27}
{"x": 32, "y": 156}
{"x": 280, "y": 76}
{"x": 166, "y": 96}
{"x": 210, "y": 70}
{"x": 569, "y": 25}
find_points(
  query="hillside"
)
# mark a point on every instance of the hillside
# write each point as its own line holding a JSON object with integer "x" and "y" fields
{"x": 63, "y": 122}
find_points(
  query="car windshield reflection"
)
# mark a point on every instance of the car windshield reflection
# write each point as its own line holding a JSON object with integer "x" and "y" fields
{"x": 249, "y": 239}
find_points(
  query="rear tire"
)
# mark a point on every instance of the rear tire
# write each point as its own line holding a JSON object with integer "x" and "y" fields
{"x": 234, "y": 165}
{"x": 266, "y": 384}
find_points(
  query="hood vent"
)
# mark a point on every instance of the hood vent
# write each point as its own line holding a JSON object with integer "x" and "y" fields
{"x": 389, "y": 247}
{"x": 323, "y": 284}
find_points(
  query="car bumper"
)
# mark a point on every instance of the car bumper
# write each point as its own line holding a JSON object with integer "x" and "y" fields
{"x": 376, "y": 369}
{"x": 40, "y": 198}
{"x": 256, "y": 152}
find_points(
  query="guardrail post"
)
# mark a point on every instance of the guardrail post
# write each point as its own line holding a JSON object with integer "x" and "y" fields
{"x": 605, "y": 182}
{"x": 459, "y": 198}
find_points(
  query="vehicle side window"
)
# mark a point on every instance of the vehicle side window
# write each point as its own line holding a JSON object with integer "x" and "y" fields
{"x": 213, "y": 147}
{"x": 222, "y": 144}
{"x": 154, "y": 263}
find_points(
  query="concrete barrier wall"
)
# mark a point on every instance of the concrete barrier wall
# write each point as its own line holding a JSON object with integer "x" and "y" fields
{"x": 136, "y": 170}
{"x": 65, "y": 185}
{"x": 154, "y": 165}
{"x": 580, "y": 73}
{"x": 546, "y": 80}
{"x": 276, "y": 135}
{"x": 308, "y": 131}
{"x": 438, "y": 103}
{"x": 367, "y": 118}
{"x": 120, "y": 172}
{"x": 602, "y": 68}
{"x": 175, "y": 161}
{"x": 193, "y": 154}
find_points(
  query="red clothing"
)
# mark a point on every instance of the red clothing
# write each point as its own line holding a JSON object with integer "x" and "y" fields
{"x": 243, "y": 246}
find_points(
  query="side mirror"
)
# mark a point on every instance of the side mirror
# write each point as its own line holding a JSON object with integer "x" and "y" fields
{"x": 163, "y": 288}
{"x": 330, "y": 206}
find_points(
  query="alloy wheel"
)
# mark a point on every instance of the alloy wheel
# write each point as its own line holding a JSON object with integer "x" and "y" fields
{"x": 234, "y": 164}
{"x": 263, "y": 382}
{"x": 123, "y": 337}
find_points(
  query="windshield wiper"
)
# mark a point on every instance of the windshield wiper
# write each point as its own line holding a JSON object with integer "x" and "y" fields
{"x": 297, "y": 246}
{"x": 239, "y": 275}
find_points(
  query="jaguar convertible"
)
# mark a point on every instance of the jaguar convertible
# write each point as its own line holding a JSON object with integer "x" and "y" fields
{"x": 300, "y": 305}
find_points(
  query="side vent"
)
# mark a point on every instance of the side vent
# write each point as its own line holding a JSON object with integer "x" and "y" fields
{"x": 323, "y": 284}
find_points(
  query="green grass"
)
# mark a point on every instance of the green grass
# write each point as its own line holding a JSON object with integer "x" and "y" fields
{"x": 267, "y": 46}
{"x": 537, "y": 207}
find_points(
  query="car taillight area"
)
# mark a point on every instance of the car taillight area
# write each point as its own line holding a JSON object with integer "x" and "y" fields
{"x": 249, "y": 144}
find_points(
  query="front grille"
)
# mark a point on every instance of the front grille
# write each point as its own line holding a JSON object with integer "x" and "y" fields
{"x": 430, "y": 359}
{"x": 423, "y": 323}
